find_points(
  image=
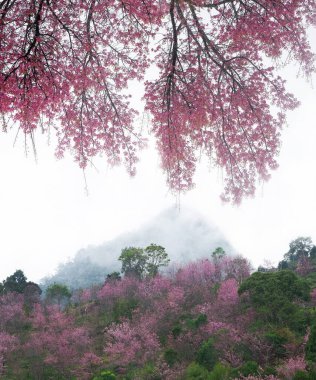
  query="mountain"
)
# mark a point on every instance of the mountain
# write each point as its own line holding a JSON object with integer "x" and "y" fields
{"x": 184, "y": 233}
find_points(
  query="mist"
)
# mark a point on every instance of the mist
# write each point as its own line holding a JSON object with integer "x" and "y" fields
{"x": 185, "y": 234}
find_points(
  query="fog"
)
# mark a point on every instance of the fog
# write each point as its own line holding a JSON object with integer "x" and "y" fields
{"x": 184, "y": 233}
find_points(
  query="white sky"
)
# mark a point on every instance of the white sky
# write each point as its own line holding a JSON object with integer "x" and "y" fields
{"x": 46, "y": 215}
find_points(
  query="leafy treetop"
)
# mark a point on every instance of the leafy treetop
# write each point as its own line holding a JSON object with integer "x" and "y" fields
{"x": 139, "y": 262}
{"x": 273, "y": 294}
{"x": 301, "y": 251}
{"x": 57, "y": 293}
{"x": 17, "y": 282}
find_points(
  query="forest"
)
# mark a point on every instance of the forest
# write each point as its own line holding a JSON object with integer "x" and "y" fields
{"x": 213, "y": 318}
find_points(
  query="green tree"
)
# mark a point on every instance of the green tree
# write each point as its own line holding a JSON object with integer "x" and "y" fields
{"x": 219, "y": 372}
{"x": 58, "y": 293}
{"x": 114, "y": 276}
{"x": 300, "y": 247}
{"x": 139, "y": 262}
{"x": 15, "y": 283}
{"x": 207, "y": 355}
{"x": 156, "y": 257}
{"x": 218, "y": 254}
{"x": 170, "y": 356}
{"x": 32, "y": 293}
{"x": 133, "y": 262}
{"x": 196, "y": 372}
{"x": 273, "y": 294}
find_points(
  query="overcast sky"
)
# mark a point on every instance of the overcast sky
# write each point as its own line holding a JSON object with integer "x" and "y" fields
{"x": 46, "y": 215}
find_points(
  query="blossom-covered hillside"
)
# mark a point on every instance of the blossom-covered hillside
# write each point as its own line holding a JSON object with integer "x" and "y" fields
{"x": 208, "y": 319}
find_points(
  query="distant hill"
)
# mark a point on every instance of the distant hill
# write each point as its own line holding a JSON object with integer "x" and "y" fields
{"x": 184, "y": 233}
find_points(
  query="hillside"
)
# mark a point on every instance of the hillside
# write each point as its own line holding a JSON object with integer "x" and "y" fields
{"x": 206, "y": 319}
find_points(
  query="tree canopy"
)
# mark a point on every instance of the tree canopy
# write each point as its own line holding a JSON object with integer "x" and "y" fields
{"x": 140, "y": 262}
{"x": 17, "y": 282}
{"x": 273, "y": 294}
{"x": 58, "y": 293}
{"x": 300, "y": 256}
{"x": 65, "y": 66}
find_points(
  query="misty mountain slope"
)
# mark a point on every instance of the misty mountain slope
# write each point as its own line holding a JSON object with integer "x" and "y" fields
{"x": 77, "y": 274}
{"x": 185, "y": 234}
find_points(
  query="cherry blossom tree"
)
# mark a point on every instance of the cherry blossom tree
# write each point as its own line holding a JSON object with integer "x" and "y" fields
{"x": 11, "y": 312}
{"x": 291, "y": 366}
{"x": 65, "y": 66}
{"x": 131, "y": 343}
{"x": 59, "y": 343}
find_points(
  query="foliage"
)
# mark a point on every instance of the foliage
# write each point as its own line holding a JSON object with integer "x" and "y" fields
{"x": 168, "y": 326}
{"x": 170, "y": 356}
{"x": 66, "y": 66}
{"x": 246, "y": 369}
{"x": 32, "y": 293}
{"x": 105, "y": 375}
{"x": 139, "y": 262}
{"x": 310, "y": 348}
{"x": 218, "y": 253}
{"x": 114, "y": 276}
{"x": 15, "y": 283}
{"x": 299, "y": 247}
{"x": 133, "y": 261}
{"x": 156, "y": 257}
{"x": 290, "y": 367}
{"x": 219, "y": 372}
{"x": 273, "y": 294}
{"x": 123, "y": 308}
{"x": 147, "y": 372}
{"x": 299, "y": 256}
{"x": 196, "y": 371}
{"x": 58, "y": 293}
{"x": 207, "y": 355}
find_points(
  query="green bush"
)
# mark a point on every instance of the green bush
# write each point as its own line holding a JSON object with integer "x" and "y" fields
{"x": 123, "y": 308}
{"x": 249, "y": 368}
{"x": 219, "y": 372}
{"x": 277, "y": 341}
{"x": 196, "y": 372}
{"x": 176, "y": 331}
{"x": 105, "y": 375}
{"x": 200, "y": 320}
{"x": 170, "y": 356}
{"x": 207, "y": 355}
{"x": 148, "y": 372}
{"x": 302, "y": 375}
{"x": 274, "y": 294}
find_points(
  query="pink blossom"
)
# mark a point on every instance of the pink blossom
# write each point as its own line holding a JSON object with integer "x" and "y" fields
{"x": 131, "y": 342}
{"x": 228, "y": 292}
{"x": 214, "y": 92}
{"x": 291, "y": 366}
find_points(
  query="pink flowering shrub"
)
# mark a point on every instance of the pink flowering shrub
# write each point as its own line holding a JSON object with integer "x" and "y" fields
{"x": 291, "y": 366}
{"x": 228, "y": 292}
{"x": 11, "y": 311}
{"x": 57, "y": 340}
{"x": 129, "y": 342}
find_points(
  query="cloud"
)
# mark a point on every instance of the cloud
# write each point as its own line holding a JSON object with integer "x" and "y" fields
{"x": 184, "y": 233}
